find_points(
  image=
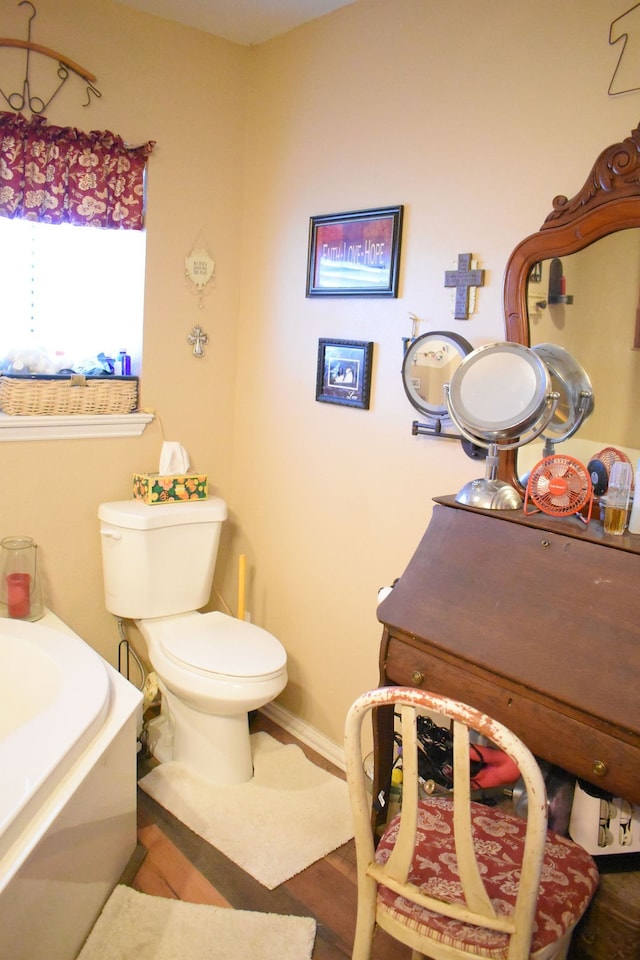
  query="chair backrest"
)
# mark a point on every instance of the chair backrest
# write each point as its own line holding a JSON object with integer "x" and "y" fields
{"x": 477, "y": 908}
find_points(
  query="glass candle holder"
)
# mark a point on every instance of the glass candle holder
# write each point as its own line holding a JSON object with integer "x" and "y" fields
{"x": 20, "y": 589}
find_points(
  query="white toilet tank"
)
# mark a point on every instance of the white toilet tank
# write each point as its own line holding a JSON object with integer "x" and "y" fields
{"x": 159, "y": 560}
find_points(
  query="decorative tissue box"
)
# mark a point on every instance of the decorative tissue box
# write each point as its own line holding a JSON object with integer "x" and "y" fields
{"x": 155, "y": 488}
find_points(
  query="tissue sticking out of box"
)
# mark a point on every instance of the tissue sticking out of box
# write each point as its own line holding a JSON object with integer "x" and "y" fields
{"x": 173, "y": 482}
{"x": 174, "y": 459}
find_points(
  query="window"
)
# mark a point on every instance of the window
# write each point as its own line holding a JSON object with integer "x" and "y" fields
{"x": 69, "y": 294}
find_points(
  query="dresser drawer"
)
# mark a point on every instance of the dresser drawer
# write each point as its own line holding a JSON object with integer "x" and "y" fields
{"x": 585, "y": 750}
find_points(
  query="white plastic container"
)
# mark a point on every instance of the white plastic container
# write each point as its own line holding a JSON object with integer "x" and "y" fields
{"x": 634, "y": 518}
{"x": 603, "y": 824}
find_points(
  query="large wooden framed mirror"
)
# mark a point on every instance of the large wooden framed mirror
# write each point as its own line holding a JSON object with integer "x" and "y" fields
{"x": 576, "y": 283}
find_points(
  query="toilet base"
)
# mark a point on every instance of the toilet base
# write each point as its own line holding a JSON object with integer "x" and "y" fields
{"x": 218, "y": 749}
{"x": 160, "y": 738}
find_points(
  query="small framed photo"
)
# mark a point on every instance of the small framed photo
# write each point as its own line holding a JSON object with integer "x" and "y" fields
{"x": 355, "y": 254}
{"x": 344, "y": 372}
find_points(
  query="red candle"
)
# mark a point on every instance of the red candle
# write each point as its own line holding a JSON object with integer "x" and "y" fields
{"x": 18, "y": 590}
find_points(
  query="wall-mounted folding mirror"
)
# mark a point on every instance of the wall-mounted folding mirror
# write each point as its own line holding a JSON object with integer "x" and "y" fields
{"x": 429, "y": 363}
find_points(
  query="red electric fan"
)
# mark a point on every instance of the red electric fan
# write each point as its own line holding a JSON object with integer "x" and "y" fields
{"x": 560, "y": 486}
{"x": 600, "y": 465}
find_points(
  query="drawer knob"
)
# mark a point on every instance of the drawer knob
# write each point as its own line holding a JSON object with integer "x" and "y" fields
{"x": 599, "y": 767}
{"x": 417, "y": 677}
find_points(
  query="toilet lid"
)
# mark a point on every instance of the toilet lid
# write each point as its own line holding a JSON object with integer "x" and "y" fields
{"x": 217, "y": 643}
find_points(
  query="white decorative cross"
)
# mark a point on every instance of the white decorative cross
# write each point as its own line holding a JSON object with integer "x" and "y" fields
{"x": 198, "y": 337}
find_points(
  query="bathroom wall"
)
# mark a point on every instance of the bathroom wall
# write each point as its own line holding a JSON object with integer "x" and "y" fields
{"x": 474, "y": 119}
{"x": 186, "y": 90}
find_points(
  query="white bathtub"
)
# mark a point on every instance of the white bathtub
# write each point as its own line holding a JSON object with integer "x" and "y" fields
{"x": 67, "y": 787}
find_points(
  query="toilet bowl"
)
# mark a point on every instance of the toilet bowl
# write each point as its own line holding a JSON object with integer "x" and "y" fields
{"x": 212, "y": 669}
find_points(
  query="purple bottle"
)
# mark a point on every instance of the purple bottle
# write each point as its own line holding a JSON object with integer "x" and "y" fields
{"x": 125, "y": 363}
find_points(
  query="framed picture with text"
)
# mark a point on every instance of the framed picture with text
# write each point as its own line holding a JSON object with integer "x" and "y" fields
{"x": 355, "y": 254}
{"x": 344, "y": 372}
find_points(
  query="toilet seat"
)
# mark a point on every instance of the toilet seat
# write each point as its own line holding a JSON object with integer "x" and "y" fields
{"x": 215, "y": 644}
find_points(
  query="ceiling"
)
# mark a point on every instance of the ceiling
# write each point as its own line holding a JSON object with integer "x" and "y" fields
{"x": 242, "y": 21}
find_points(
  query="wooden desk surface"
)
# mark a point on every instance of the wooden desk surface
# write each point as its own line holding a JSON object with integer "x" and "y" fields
{"x": 538, "y": 622}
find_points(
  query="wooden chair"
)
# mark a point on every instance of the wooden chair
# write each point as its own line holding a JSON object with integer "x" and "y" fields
{"x": 452, "y": 878}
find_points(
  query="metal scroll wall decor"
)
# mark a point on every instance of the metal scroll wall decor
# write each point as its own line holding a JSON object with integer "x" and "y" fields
{"x": 626, "y": 28}
{"x": 26, "y": 99}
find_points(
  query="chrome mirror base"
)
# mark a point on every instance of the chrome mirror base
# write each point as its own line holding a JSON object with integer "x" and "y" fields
{"x": 489, "y": 495}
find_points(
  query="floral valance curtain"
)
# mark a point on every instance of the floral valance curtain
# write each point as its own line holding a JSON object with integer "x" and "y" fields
{"x": 61, "y": 175}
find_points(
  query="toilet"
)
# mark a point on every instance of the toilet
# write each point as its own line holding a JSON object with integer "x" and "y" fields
{"x": 158, "y": 563}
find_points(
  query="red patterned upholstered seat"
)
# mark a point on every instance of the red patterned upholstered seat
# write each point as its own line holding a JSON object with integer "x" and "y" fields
{"x": 450, "y": 878}
{"x": 569, "y": 877}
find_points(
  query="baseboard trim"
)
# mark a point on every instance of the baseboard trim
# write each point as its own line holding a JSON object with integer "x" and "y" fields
{"x": 306, "y": 733}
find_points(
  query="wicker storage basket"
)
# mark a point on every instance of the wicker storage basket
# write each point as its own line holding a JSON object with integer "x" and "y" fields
{"x": 59, "y": 396}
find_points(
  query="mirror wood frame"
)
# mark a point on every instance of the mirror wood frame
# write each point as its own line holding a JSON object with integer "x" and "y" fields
{"x": 609, "y": 201}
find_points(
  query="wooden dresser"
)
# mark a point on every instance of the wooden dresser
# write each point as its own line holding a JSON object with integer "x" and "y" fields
{"x": 533, "y": 619}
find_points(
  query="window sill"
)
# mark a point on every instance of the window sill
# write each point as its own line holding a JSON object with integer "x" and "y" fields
{"x": 76, "y": 427}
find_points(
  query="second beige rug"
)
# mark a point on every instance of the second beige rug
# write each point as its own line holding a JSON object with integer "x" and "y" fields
{"x": 289, "y": 815}
{"x": 135, "y": 926}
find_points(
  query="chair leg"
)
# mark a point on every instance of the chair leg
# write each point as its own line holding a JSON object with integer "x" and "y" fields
{"x": 365, "y": 921}
{"x": 363, "y": 940}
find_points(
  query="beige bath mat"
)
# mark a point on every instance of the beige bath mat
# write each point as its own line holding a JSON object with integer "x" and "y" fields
{"x": 289, "y": 815}
{"x": 135, "y": 926}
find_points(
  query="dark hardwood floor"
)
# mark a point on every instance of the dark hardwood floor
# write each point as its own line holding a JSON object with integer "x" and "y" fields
{"x": 177, "y": 863}
{"x": 172, "y": 861}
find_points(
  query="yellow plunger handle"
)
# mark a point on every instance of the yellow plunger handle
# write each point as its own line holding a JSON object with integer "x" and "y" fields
{"x": 242, "y": 579}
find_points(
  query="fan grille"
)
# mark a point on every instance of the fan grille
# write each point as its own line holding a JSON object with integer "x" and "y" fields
{"x": 600, "y": 465}
{"x": 559, "y": 486}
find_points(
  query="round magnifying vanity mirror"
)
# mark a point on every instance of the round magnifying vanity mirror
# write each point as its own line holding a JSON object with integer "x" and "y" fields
{"x": 499, "y": 393}
{"x": 499, "y": 397}
{"x": 594, "y": 316}
{"x": 575, "y": 403}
